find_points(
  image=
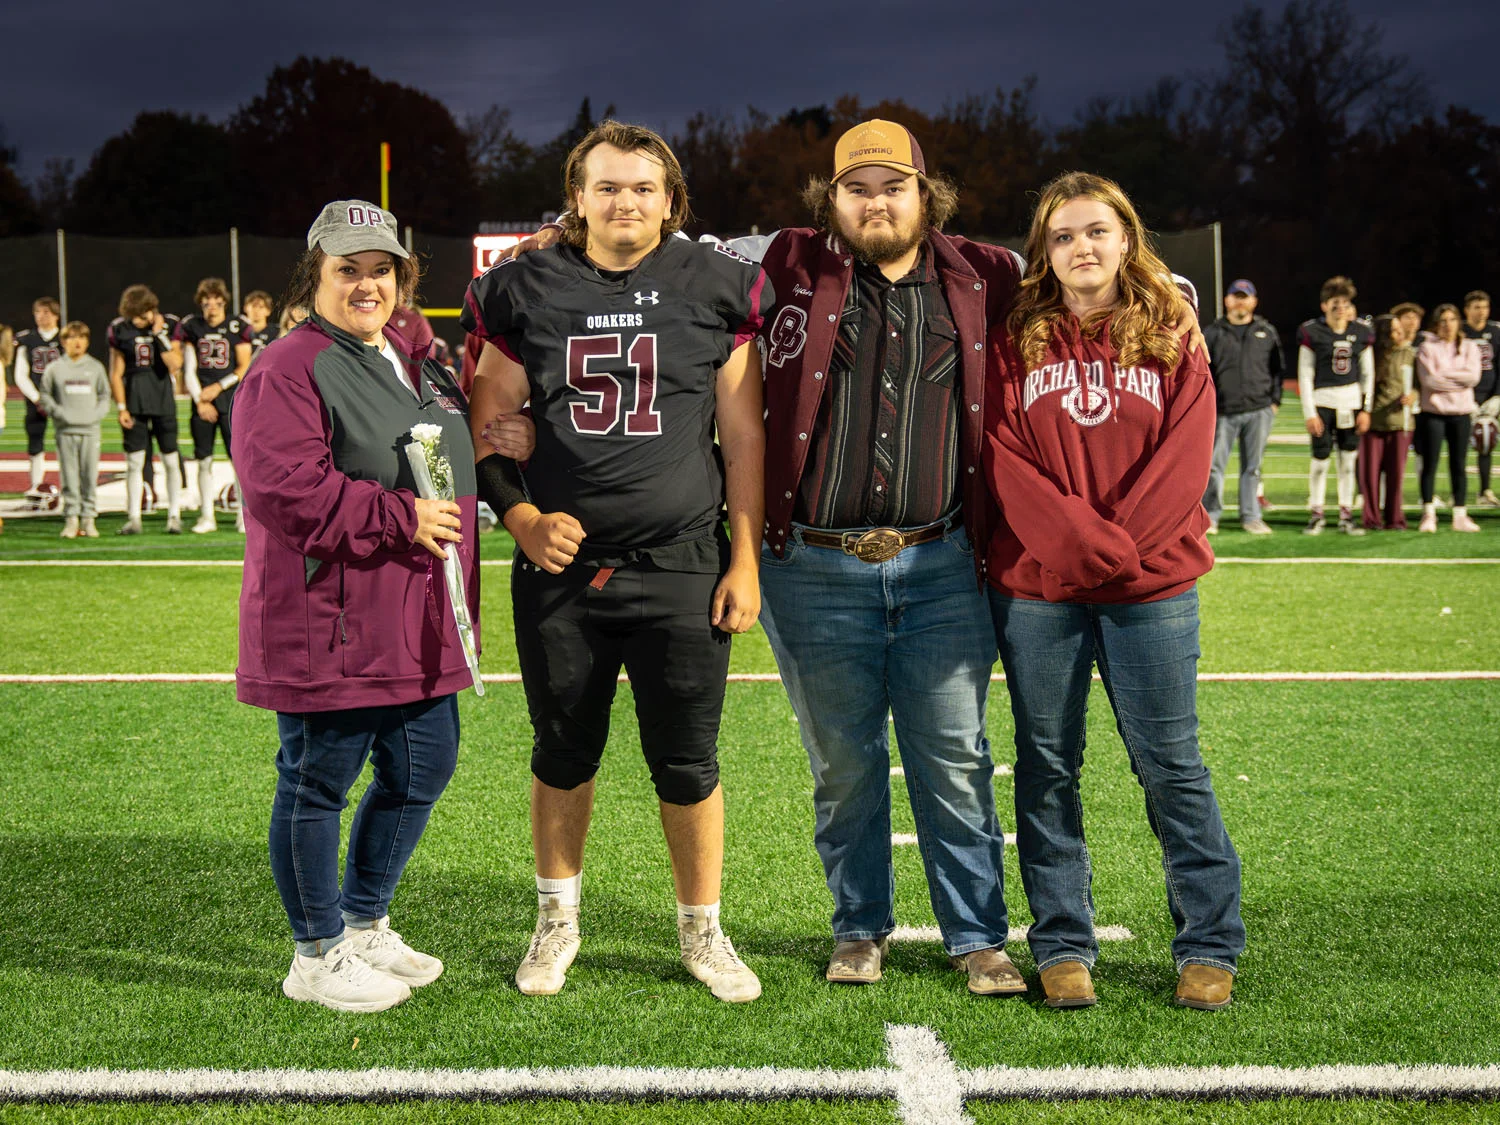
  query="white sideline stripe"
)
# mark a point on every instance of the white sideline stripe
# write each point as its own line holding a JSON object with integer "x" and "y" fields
{"x": 768, "y": 678}
{"x": 1016, "y": 933}
{"x": 1317, "y": 560}
{"x": 902, "y": 838}
{"x": 1273, "y": 561}
{"x": 928, "y": 1088}
{"x": 1229, "y": 1082}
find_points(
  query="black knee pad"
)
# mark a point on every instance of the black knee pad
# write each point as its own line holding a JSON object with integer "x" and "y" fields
{"x": 563, "y": 769}
{"x": 685, "y": 781}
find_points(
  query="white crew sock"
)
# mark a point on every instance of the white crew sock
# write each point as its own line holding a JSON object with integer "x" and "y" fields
{"x": 38, "y": 469}
{"x": 566, "y": 892}
{"x": 1346, "y": 458}
{"x": 1317, "y": 484}
{"x": 135, "y": 471}
{"x": 206, "y": 486}
{"x": 687, "y": 914}
{"x": 171, "y": 464}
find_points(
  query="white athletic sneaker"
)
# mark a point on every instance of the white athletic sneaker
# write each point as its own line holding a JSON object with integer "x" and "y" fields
{"x": 1429, "y": 522}
{"x": 554, "y": 944}
{"x": 343, "y": 980}
{"x": 1488, "y": 499}
{"x": 383, "y": 948}
{"x": 69, "y": 529}
{"x": 709, "y": 955}
{"x": 1462, "y": 521}
{"x": 174, "y": 525}
{"x": 205, "y": 524}
{"x": 1256, "y": 527}
{"x": 130, "y": 527}
{"x": 88, "y": 530}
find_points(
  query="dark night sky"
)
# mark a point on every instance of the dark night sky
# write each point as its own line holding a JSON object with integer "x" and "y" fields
{"x": 83, "y": 70}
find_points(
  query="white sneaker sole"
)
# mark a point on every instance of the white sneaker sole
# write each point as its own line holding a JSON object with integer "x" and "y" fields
{"x": 412, "y": 980}
{"x": 295, "y": 990}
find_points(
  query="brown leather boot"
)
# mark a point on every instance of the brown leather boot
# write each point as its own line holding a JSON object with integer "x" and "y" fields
{"x": 991, "y": 973}
{"x": 1068, "y": 985}
{"x": 857, "y": 962}
{"x": 1204, "y": 986}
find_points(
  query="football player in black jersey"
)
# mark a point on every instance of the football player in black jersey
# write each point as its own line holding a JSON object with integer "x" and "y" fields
{"x": 632, "y": 349}
{"x": 142, "y": 363}
{"x": 215, "y": 355}
{"x": 35, "y": 348}
{"x": 256, "y": 310}
{"x": 1335, "y": 379}
{"x": 1477, "y": 325}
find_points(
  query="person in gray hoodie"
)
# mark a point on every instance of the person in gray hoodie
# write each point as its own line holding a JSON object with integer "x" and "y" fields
{"x": 75, "y": 394}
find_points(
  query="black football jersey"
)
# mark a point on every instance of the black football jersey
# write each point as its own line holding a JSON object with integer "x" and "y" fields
{"x": 622, "y": 367}
{"x": 39, "y": 351}
{"x": 259, "y": 339}
{"x": 148, "y": 384}
{"x": 1489, "y": 340}
{"x": 212, "y": 344}
{"x": 1335, "y": 355}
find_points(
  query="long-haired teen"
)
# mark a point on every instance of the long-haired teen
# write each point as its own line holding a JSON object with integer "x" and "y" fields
{"x": 1098, "y": 446}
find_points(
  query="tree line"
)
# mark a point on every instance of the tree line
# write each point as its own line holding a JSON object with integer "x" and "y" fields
{"x": 1317, "y": 150}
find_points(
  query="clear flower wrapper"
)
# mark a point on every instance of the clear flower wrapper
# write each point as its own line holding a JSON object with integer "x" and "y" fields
{"x": 434, "y": 479}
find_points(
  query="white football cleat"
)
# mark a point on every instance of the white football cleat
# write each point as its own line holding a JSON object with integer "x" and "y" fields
{"x": 709, "y": 955}
{"x": 554, "y": 944}
{"x": 383, "y": 948}
{"x": 205, "y": 524}
{"x": 343, "y": 980}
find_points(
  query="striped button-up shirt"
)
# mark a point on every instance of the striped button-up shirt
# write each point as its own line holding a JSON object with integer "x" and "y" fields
{"x": 884, "y": 450}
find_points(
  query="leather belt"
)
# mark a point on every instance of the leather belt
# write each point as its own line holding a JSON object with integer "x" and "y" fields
{"x": 877, "y": 545}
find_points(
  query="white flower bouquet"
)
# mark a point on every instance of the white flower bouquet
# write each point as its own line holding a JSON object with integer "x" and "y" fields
{"x": 434, "y": 477}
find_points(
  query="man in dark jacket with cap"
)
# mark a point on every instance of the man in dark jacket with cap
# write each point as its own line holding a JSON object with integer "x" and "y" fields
{"x": 1245, "y": 354}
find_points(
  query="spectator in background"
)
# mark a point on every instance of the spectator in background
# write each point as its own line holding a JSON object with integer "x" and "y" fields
{"x": 257, "y": 308}
{"x": 7, "y": 353}
{"x": 35, "y": 349}
{"x": 142, "y": 360}
{"x": 1335, "y": 370}
{"x": 1383, "y": 448}
{"x": 75, "y": 393}
{"x": 1478, "y": 326}
{"x": 1409, "y": 316}
{"x": 215, "y": 356}
{"x": 291, "y": 316}
{"x": 1245, "y": 354}
{"x": 1448, "y": 370}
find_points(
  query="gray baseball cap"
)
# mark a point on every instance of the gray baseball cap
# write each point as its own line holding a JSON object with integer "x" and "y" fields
{"x": 352, "y": 226}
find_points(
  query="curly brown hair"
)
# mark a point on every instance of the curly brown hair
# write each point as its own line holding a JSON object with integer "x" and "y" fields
{"x": 939, "y": 200}
{"x": 138, "y": 300}
{"x": 1148, "y": 304}
{"x": 211, "y": 287}
{"x": 626, "y": 138}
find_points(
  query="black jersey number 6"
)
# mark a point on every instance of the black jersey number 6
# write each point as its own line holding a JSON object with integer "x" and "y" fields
{"x": 589, "y": 361}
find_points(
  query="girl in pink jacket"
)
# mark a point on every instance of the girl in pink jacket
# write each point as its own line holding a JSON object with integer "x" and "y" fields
{"x": 1448, "y": 368}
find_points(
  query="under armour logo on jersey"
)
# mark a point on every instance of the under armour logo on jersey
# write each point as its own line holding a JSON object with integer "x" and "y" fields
{"x": 646, "y": 298}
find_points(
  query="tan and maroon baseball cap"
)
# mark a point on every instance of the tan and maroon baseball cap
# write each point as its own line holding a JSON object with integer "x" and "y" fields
{"x": 878, "y": 142}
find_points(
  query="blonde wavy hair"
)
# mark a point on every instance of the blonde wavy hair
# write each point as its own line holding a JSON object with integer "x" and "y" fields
{"x": 1148, "y": 304}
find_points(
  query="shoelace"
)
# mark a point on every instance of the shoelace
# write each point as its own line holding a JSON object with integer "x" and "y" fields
{"x": 548, "y": 941}
{"x": 383, "y": 939}
{"x": 714, "y": 950}
{"x": 352, "y": 967}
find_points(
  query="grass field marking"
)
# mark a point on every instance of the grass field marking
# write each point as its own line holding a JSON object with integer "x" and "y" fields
{"x": 1319, "y": 560}
{"x": 1422, "y": 1083}
{"x": 1016, "y": 933}
{"x": 929, "y": 1090}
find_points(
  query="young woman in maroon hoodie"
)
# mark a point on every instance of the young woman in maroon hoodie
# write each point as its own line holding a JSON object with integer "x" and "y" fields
{"x": 1099, "y": 439}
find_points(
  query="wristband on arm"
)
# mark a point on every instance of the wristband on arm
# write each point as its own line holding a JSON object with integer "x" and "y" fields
{"x": 500, "y": 484}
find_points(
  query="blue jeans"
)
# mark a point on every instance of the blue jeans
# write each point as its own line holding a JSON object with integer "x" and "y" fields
{"x": 413, "y": 748}
{"x": 1148, "y": 659}
{"x": 1252, "y": 430}
{"x": 908, "y": 638}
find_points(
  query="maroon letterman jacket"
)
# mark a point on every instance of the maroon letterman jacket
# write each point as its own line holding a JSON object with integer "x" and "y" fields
{"x": 811, "y": 272}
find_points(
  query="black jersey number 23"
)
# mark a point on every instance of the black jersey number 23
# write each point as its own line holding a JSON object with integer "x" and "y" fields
{"x": 596, "y": 373}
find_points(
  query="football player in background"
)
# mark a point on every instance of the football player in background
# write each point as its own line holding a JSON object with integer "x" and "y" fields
{"x": 216, "y": 352}
{"x": 632, "y": 348}
{"x": 35, "y": 349}
{"x": 1478, "y": 326}
{"x": 142, "y": 363}
{"x": 257, "y": 308}
{"x": 1335, "y": 378}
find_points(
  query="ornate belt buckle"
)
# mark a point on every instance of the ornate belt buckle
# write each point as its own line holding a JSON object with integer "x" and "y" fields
{"x": 874, "y": 546}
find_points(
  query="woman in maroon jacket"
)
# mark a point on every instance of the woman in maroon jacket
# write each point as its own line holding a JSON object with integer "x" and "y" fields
{"x": 1099, "y": 439}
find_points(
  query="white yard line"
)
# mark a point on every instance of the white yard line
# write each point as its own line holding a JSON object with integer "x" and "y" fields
{"x": 921, "y": 1078}
{"x": 771, "y": 678}
{"x": 1017, "y": 933}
